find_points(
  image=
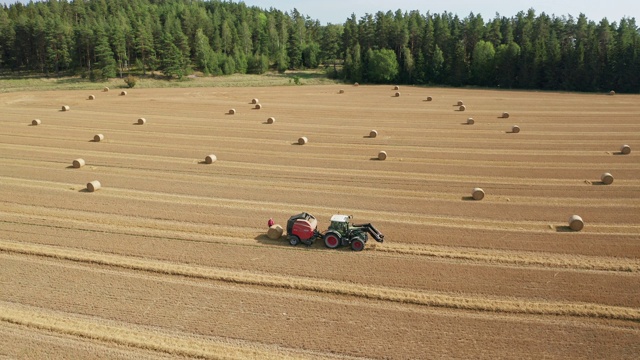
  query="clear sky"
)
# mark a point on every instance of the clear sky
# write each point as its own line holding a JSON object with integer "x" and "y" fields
{"x": 337, "y": 11}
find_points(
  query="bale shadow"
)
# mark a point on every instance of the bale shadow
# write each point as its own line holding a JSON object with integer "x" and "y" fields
{"x": 85, "y": 190}
{"x": 368, "y": 137}
{"x": 464, "y": 123}
{"x": 564, "y": 228}
{"x": 297, "y": 143}
{"x": 70, "y": 167}
{"x": 264, "y": 239}
{"x": 136, "y": 123}
{"x": 202, "y": 162}
{"x": 467, "y": 198}
{"x": 619, "y": 153}
{"x": 598, "y": 183}
{"x": 228, "y": 113}
{"x": 375, "y": 159}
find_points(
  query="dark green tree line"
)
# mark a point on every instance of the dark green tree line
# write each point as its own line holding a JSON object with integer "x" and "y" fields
{"x": 108, "y": 38}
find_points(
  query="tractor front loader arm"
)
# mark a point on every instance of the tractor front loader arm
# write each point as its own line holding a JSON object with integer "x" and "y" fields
{"x": 375, "y": 233}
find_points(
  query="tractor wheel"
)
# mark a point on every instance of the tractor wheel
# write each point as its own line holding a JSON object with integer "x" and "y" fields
{"x": 331, "y": 240}
{"x": 294, "y": 240}
{"x": 357, "y": 245}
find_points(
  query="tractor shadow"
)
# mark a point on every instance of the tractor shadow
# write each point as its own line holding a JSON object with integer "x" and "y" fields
{"x": 283, "y": 242}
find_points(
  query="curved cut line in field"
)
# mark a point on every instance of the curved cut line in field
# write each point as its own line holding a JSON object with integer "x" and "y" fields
{"x": 460, "y": 149}
{"x": 238, "y": 236}
{"x": 301, "y": 296}
{"x": 237, "y": 204}
{"x": 461, "y": 146}
{"x": 500, "y": 164}
{"x": 320, "y": 188}
{"x": 547, "y": 260}
{"x": 331, "y": 287}
{"x": 143, "y": 338}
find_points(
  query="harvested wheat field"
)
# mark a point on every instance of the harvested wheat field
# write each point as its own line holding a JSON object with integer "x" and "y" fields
{"x": 170, "y": 257}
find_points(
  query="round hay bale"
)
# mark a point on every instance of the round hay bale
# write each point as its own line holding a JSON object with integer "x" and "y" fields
{"x": 123, "y": 93}
{"x": 397, "y": 94}
{"x": 232, "y": 111}
{"x": 576, "y": 223}
{"x": 36, "y": 122}
{"x": 94, "y": 186}
{"x": 210, "y": 159}
{"x": 254, "y": 101}
{"x": 142, "y": 121}
{"x": 612, "y": 92}
{"x": 515, "y": 129}
{"x": 462, "y": 108}
{"x": 477, "y": 194}
{"x": 382, "y": 155}
{"x": 271, "y": 120}
{"x": 92, "y": 97}
{"x": 258, "y": 107}
{"x": 470, "y": 121}
{"x": 460, "y": 103}
{"x": 373, "y": 133}
{"x": 625, "y": 150}
{"x": 98, "y": 137}
{"x": 78, "y": 163}
{"x": 396, "y": 87}
{"x": 606, "y": 178}
{"x": 66, "y": 108}
{"x": 106, "y": 89}
{"x": 341, "y": 91}
{"x": 505, "y": 115}
{"x": 303, "y": 140}
{"x": 356, "y": 84}
{"x": 275, "y": 232}
{"x": 429, "y": 98}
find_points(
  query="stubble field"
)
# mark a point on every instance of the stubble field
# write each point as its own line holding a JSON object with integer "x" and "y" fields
{"x": 170, "y": 258}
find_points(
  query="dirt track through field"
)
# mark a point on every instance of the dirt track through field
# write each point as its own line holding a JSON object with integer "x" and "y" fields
{"x": 170, "y": 257}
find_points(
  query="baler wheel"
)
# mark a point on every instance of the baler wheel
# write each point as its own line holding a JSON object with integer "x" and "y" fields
{"x": 294, "y": 240}
{"x": 357, "y": 245}
{"x": 331, "y": 240}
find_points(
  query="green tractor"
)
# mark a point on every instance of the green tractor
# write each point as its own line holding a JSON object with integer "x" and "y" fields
{"x": 341, "y": 233}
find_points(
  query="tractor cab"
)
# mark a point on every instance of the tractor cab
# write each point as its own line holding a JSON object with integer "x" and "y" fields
{"x": 340, "y": 224}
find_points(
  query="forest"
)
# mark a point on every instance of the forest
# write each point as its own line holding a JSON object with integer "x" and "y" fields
{"x": 99, "y": 39}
